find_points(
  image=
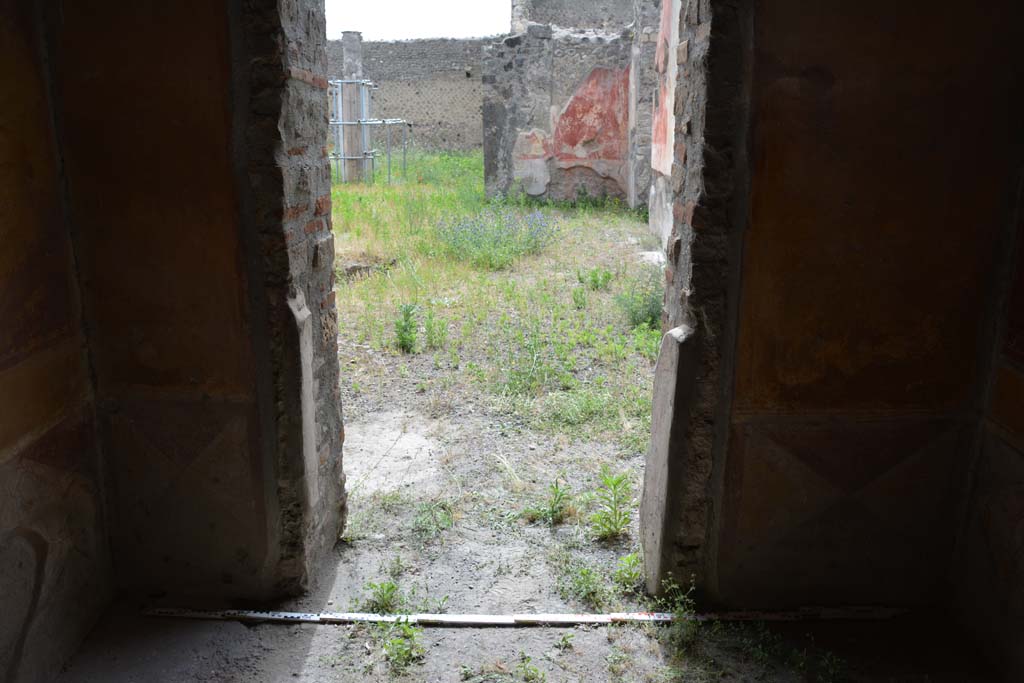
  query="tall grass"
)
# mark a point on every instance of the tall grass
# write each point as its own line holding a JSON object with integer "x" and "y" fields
{"x": 388, "y": 220}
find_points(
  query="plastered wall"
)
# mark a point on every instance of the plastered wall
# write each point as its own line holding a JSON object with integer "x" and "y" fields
{"x": 168, "y": 337}
{"x": 173, "y": 365}
{"x": 989, "y": 570}
{"x": 835, "y": 319}
{"x": 852, "y": 394}
{"x": 55, "y": 572}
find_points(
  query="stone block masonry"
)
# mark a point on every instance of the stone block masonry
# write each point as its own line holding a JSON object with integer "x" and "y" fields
{"x": 606, "y": 15}
{"x": 557, "y": 115}
{"x": 433, "y": 83}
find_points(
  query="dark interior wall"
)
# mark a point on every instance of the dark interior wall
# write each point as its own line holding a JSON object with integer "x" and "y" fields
{"x": 166, "y": 302}
{"x": 882, "y": 169}
{"x": 990, "y": 566}
{"x": 146, "y": 131}
{"x": 54, "y": 559}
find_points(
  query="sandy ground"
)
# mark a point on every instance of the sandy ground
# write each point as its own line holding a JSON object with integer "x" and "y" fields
{"x": 488, "y": 561}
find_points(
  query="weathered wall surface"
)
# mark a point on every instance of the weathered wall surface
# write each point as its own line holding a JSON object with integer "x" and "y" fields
{"x": 643, "y": 84}
{"x": 55, "y": 572}
{"x": 851, "y": 391}
{"x": 165, "y": 292}
{"x": 698, "y": 207}
{"x": 433, "y": 83}
{"x": 286, "y": 152}
{"x": 166, "y": 302}
{"x": 833, "y": 343}
{"x": 556, "y": 113}
{"x": 607, "y": 15}
{"x": 990, "y": 564}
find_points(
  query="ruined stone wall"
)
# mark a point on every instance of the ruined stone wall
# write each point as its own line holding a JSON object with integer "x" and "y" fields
{"x": 643, "y": 83}
{"x": 55, "y": 573}
{"x": 433, "y": 83}
{"x": 556, "y": 113}
{"x": 303, "y": 319}
{"x": 697, "y": 208}
{"x": 607, "y": 15}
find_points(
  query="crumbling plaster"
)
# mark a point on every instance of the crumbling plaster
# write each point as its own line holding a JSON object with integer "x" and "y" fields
{"x": 556, "y": 113}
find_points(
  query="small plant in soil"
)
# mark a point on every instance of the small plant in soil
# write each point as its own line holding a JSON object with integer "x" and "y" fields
{"x": 683, "y": 634}
{"x": 832, "y": 669}
{"x": 628, "y": 572}
{"x": 406, "y": 328}
{"x": 647, "y": 340}
{"x": 565, "y": 642}
{"x": 641, "y": 301}
{"x": 578, "y": 580}
{"x": 527, "y": 672}
{"x": 555, "y": 509}
{"x": 579, "y": 298}
{"x": 436, "y": 331}
{"x": 492, "y": 673}
{"x": 618, "y": 663}
{"x": 597, "y": 279}
{"x": 614, "y": 505}
{"x": 401, "y": 645}
{"x": 385, "y": 598}
{"x": 396, "y": 567}
{"x": 432, "y": 518}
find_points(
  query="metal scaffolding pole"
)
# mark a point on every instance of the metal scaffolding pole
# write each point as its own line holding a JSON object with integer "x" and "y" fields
{"x": 352, "y": 155}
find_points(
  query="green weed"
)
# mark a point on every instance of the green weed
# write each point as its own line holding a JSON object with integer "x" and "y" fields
{"x": 527, "y": 672}
{"x": 597, "y": 279}
{"x": 396, "y": 567}
{"x": 432, "y": 518}
{"x": 614, "y": 505}
{"x": 580, "y": 406}
{"x": 832, "y": 669}
{"x": 401, "y": 645}
{"x": 406, "y": 328}
{"x": 580, "y": 581}
{"x": 436, "y": 331}
{"x": 629, "y": 572}
{"x": 385, "y": 598}
{"x": 579, "y": 298}
{"x": 495, "y": 239}
{"x": 641, "y": 301}
{"x": 684, "y": 633}
{"x": 555, "y": 509}
{"x": 647, "y": 340}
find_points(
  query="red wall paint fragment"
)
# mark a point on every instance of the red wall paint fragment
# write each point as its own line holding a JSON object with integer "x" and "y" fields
{"x": 595, "y": 123}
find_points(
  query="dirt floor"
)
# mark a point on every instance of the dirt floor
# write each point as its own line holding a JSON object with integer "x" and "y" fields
{"x": 484, "y": 463}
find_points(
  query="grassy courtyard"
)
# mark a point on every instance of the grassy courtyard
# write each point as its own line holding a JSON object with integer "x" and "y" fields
{"x": 547, "y": 311}
{"x": 497, "y": 361}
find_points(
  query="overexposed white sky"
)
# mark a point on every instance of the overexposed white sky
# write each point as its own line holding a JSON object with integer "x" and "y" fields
{"x": 406, "y": 19}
